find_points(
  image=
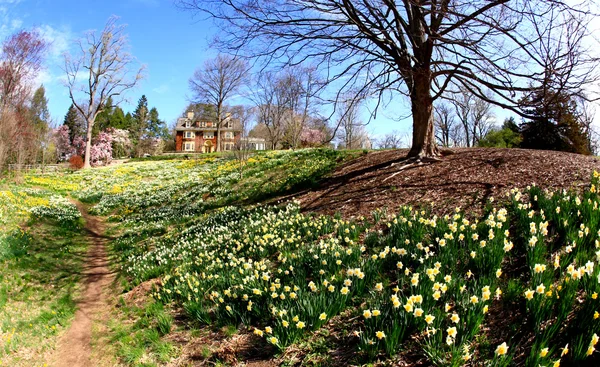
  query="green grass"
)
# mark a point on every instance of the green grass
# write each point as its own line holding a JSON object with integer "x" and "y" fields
{"x": 39, "y": 282}
{"x": 137, "y": 334}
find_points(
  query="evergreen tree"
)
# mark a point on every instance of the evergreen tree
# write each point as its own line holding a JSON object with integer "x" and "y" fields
{"x": 75, "y": 123}
{"x": 139, "y": 124}
{"x": 555, "y": 124}
{"x": 103, "y": 120}
{"x": 157, "y": 128}
{"x": 511, "y": 125}
{"x": 40, "y": 116}
{"x": 127, "y": 121}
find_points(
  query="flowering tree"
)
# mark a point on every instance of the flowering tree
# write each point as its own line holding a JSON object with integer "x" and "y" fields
{"x": 79, "y": 145}
{"x": 21, "y": 56}
{"x": 312, "y": 137}
{"x": 121, "y": 142}
{"x": 64, "y": 148}
{"x": 101, "y": 150}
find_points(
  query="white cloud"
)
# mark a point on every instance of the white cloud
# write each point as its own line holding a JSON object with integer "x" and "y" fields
{"x": 59, "y": 41}
{"x": 9, "y": 24}
{"x": 162, "y": 89}
{"x": 43, "y": 77}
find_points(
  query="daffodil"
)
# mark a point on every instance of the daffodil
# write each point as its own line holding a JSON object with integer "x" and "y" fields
{"x": 451, "y": 332}
{"x": 502, "y": 349}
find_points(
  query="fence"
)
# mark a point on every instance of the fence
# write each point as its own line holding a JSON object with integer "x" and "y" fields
{"x": 43, "y": 168}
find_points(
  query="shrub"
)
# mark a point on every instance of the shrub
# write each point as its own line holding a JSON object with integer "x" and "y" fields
{"x": 76, "y": 162}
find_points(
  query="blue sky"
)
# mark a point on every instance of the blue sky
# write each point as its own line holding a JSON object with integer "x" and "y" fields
{"x": 170, "y": 42}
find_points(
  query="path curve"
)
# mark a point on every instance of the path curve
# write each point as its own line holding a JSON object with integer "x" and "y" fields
{"x": 74, "y": 348}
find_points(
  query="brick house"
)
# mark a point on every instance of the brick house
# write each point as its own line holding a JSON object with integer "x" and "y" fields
{"x": 196, "y": 133}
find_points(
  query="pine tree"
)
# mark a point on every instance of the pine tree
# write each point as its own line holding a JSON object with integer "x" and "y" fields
{"x": 156, "y": 128}
{"x": 40, "y": 116}
{"x": 139, "y": 124}
{"x": 103, "y": 120}
{"x": 555, "y": 125}
{"x": 75, "y": 122}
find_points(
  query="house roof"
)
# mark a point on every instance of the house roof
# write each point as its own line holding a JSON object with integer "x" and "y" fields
{"x": 180, "y": 126}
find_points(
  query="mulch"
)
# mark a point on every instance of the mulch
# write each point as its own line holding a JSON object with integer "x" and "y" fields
{"x": 464, "y": 177}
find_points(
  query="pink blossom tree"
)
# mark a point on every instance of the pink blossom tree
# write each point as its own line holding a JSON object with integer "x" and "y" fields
{"x": 101, "y": 150}
{"x": 64, "y": 148}
{"x": 311, "y": 137}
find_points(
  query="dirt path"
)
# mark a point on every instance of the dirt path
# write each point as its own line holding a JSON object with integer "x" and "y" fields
{"x": 74, "y": 348}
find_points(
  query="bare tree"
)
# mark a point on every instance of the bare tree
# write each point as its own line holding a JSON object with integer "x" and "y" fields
{"x": 106, "y": 64}
{"x": 418, "y": 48}
{"x": 300, "y": 87}
{"x": 269, "y": 96}
{"x": 586, "y": 115}
{"x": 242, "y": 149}
{"x": 216, "y": 83}
{"x": 392, "y": 140}
{"x": 482, "y": 120}
{"x": 351, "y": 131}
{"x": 474, "y": 115}
{"x": 445, "y": 124}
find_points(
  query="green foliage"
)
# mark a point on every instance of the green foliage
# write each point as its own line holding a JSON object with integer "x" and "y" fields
{"x": 504, "y": 138}
{"x": 156, "y": 128}
{"x": 555, "y": 124}
{"x": 40, "y": 115}
{"x": 75, "y": 122}
{"x": 39, "y": 276}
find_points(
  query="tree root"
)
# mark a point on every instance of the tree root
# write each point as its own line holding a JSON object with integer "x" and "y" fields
{"x": 412, "y": 162}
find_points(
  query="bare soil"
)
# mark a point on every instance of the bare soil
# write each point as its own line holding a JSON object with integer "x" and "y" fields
{"x": 464, "y": 177}
{"x": 74, "y": 348}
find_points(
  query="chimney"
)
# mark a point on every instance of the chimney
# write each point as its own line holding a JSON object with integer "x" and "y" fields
{"x": 190, "y": 115}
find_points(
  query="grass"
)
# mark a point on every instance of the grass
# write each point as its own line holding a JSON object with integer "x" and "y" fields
{"x": 137, "y": 334}
{"x": 39, "y": 282}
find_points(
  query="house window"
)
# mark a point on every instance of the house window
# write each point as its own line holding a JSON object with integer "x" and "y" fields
{"x": 189, "y": 146}
{"x": 190, "y": 135}
{"x": 228, "y": 146}
{"x": 202, "y": 123}
{"x": 209, "y": 135}
{"x": 188, "y": 123}
{"x": 228, "y": 135}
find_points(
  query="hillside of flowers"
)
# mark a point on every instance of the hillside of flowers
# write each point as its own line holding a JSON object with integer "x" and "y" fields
{"x": 404, "y": 280}
{"x": 517, "y": 286}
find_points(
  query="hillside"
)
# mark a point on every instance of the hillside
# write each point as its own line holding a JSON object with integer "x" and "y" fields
{"x": 214, "y": 267}
{"x": 466, "y": 178}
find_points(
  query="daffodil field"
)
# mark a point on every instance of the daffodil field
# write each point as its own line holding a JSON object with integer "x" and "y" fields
{"x": 516, "y": 286}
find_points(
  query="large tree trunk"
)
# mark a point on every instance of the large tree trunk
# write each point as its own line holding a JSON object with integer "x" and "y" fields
{"x": 423, "y": 143}
{"x": 88, "y": 145}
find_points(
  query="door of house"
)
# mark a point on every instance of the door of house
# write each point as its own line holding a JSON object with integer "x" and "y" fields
{"x": 208, "y": 146}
